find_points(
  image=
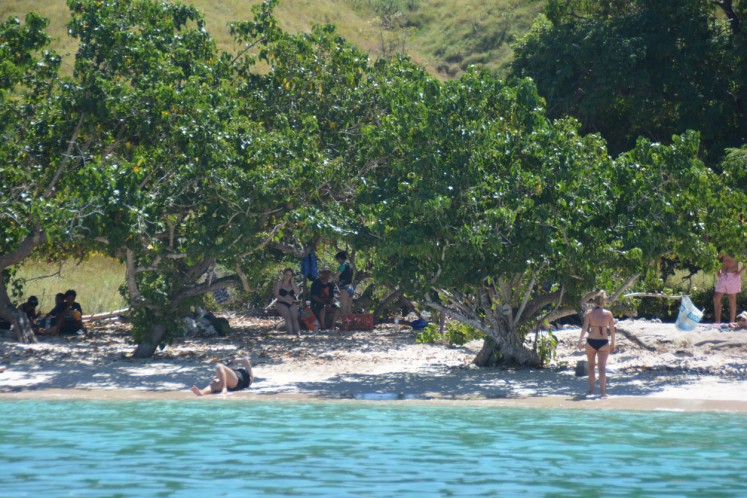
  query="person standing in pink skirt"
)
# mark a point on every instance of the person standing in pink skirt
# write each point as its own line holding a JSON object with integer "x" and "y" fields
{"x": 730, "y": 283}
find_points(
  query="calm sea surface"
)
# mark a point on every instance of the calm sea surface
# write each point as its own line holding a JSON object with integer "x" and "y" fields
{"x": 237, "y": 448}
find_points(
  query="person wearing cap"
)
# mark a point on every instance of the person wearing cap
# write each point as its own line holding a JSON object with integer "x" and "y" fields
{"x": 69, "y": 321}
{"x": 29, "y": 307}
{"x": 323, "y": 299}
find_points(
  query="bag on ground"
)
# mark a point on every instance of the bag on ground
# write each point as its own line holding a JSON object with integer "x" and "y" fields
{"x": 689, "y": 316}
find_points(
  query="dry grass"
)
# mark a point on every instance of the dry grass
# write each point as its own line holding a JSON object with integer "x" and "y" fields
{"x": 445, "y": 36}
{"x": 454, "y": 34}
{"x": 96, "y": 280}
{"x": 294, "y": 16}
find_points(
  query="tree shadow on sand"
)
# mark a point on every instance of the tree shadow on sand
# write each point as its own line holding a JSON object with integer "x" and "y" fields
{"x": 461, "y": 383}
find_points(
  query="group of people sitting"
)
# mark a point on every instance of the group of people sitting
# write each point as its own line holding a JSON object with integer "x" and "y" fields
{"x": 327, "y": 289}
{"x": 66, "y": 318}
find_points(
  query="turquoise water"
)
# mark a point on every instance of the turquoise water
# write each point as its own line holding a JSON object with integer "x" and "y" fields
{"x": 206, "y": 448}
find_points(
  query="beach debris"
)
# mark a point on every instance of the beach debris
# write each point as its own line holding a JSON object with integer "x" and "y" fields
{"x": 104, "y": 316}
{"x": 582, "y": 368}
{"x": 206, "y": 324}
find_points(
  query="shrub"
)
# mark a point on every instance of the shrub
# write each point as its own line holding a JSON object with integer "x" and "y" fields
{"x": 456, "y": 334}
{"x": 547, "y": 345}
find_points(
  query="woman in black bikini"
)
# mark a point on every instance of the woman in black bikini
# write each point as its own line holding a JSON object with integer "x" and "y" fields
{"x": 598, "y": 346}
{"x": 228, "y": 379}
{"x": 286, "y": 292}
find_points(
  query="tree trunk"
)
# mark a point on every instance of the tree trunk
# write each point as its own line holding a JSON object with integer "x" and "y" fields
{"x": 147, "y": 347}
{"x": 20, "y": 323}
{"x": 728, "y": 8}
{"x": 17, "y": 319}
{"x": 508, "y": 351}
{"x": 381, "y": 308}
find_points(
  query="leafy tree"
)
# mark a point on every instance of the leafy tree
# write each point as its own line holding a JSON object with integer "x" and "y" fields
{"x": 642, "y": 68}
{"x": 217, "y": 162}
{"x": 46, "y": 199}
{"x": 504, "y": 219}
{"x": 191, "y": 182}
{"x": 319, "y": 93}
{"x": 728, "y": 216}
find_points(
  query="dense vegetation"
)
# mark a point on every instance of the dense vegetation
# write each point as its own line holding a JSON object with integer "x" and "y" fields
{"x": 649, "y": 68}
{"x": 177, "y": 158}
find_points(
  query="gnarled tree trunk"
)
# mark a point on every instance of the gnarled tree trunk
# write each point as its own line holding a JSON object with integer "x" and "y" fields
{"x": 508, "y": 350}
{"x": 147, "y": 347}
{"x": 20, "y": 323}
{"x": 17, "y": 319}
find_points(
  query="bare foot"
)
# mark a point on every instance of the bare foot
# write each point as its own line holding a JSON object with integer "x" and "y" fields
{"x": 196, "y": 390}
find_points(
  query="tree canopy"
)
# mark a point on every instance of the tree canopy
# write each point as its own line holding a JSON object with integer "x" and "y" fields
{"x": 468, "y": 195}
{"x": 642, "y": 68}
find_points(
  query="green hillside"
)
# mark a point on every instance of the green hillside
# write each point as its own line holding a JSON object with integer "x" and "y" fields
{"x": 446, "y": 36}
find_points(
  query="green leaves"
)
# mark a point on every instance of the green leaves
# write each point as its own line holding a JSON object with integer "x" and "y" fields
{"x": 640, "y": 68}
{"x": 184, "y": 159}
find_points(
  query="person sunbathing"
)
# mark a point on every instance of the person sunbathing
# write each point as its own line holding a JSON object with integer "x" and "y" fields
{"x": 741, "y": 321}
{"x": 228, "y": 379}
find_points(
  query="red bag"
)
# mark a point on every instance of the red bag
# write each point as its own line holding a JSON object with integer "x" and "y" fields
{"x": 307, "y": 318}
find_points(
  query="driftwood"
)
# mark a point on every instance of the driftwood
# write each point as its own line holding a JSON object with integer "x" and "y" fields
{"x": 652, "y": 294}
{"x": 103, "y": 316}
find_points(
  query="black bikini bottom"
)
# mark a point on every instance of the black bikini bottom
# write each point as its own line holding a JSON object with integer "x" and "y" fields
{"x": 597, "y": 343}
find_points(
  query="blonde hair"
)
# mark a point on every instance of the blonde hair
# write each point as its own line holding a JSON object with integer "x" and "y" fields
{"x": 600, "y": 298}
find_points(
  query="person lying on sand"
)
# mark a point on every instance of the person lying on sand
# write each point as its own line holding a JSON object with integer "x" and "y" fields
{"x": 228, "y": 379}
{"x": 741, "y": 321}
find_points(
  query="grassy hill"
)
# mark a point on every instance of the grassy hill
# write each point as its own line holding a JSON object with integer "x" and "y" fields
{"x": 445, "y": 36}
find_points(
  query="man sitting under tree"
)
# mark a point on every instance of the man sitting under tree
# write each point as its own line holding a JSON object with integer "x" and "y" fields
{"x": 323, "y": 299}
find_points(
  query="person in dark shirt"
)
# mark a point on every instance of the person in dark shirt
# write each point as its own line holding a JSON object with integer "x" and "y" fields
{"x": 29, "y": 307}
{"x": 50, "y": 319}
{"x": 323, "y": 299}
{"x": 69, "y": 319}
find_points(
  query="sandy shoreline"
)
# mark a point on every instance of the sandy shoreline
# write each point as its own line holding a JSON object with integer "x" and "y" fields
{"x": 658, "y": 367}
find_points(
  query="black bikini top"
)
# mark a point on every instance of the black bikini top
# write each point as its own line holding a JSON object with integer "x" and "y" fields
{"x": 284, "y": 293}
{"x": 602, "y": 328}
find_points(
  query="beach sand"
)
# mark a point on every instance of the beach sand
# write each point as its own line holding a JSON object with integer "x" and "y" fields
{"x": 657, "y": 367}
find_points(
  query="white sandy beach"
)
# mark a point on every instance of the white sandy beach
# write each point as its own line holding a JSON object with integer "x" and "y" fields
{"x": 657, "y": 366}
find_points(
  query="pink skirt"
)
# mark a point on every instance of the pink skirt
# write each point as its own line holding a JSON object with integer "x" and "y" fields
{"x": 729, "y": 283}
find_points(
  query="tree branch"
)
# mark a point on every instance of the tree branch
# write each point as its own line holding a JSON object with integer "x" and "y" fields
{"x": 197, "y": 290}
{"x": 130, "y": 271}
{"x": 625, "y": 286}
{"x": 242, "y": 276}
{"x": 528, "y": 292}
{"x": 65, "y": 158}
{"x": 652, "y": 294}
{"x": 33, "y": 240}
{"x": 728, "y": 8}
